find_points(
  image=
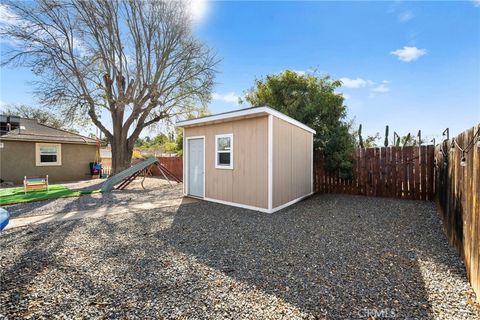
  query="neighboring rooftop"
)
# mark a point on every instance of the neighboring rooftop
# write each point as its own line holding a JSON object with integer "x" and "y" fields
{"x": 23, "y": 129}
{"x": 242, "y": 114}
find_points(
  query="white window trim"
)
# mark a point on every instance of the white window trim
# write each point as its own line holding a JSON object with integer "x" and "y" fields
{"x": 48, "y": 164}
{"x": 219, "y": 166}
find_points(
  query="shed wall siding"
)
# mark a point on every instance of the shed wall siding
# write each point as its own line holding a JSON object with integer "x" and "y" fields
{"x": 17, "y": 159}
{"x": 247, "y": 182}
{"x": 292, "y": 162}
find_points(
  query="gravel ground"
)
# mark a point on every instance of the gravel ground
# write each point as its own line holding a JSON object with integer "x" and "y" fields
{"x": 330, "y": 256}
{"x": 155, "y": 188}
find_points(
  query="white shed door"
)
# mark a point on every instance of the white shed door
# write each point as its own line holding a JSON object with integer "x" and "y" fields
{"x": 195, "y": 167}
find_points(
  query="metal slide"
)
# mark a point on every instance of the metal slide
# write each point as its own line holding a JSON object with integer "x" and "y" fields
{"x": 119, "y": 177}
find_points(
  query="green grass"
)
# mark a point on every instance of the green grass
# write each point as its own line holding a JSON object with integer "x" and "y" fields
{"x": 17, "y": 195}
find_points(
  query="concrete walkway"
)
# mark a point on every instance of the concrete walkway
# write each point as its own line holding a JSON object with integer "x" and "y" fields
{"x": 97, "y": 213}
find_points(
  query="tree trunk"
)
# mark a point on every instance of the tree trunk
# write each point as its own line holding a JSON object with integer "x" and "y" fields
{"x": 122, "y": 150}
{"x": 121, "y": 155}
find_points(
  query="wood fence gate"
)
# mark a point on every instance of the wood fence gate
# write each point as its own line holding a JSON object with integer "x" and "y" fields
{"x": 400, "y": 172}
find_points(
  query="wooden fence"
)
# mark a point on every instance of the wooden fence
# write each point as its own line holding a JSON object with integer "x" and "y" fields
{"x": 400, "y": 172}
{"x": 458, "y": 196}
{"x": 173, "y": 164}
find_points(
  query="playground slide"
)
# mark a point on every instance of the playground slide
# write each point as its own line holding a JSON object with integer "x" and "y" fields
{"x": 4, "y": 218}
{"x": 119, "y": 177}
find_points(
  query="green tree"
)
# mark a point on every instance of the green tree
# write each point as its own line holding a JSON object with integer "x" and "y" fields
{"x": 139, "y": 142}
{"x": 154, "y": 142}
{"x": 159, "y": 140}
{"x": 312, "y": 101}
{"x": 170, "y": 146}
{"x": 179, "y": 140}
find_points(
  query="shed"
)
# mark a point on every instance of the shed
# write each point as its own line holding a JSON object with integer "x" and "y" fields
{"x": 255, "y": 158}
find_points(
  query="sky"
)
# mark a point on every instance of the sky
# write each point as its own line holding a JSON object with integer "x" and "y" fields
{"x": 409, "y": 65}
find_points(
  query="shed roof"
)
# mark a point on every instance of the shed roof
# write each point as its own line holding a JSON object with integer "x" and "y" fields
{"x": 242, "y": 114}
{"x": 31, "y": 130}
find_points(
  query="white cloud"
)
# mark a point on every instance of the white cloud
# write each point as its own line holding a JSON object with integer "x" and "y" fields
{"x": 374, "y": 87}
{"x": 406, "y": 16}
{"x": 355, "y": 83}
{"x": 382, "y": 88}
{"x": 408, "y": 54}
{"x": 230, "y": 97}
{"x": 476, "y": 3}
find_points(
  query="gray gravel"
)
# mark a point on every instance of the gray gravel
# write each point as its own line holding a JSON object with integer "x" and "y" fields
{"x": 155, "y": 189}
{"x": 331, "y": 256}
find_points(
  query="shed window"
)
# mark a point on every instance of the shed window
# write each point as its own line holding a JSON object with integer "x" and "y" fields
{"x": 48, "y": 154}
{"x": 224, "y": 151}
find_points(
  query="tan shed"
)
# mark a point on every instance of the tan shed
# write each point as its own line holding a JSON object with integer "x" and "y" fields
{"x": 255, "y": 158}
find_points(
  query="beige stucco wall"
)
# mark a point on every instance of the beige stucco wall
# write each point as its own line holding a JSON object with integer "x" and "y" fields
{"x": 17, "y": 159}
{"x": 292, "y": 162}
{"x": 247, "y": 182}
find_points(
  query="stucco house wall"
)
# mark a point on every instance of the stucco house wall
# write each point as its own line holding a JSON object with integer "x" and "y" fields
{"x": 17, "y": 159}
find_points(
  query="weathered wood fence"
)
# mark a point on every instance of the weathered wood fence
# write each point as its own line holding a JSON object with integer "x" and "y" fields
{"x": 173, "y": 164}
{"x": 458, "y": 198}
{"x": 400, "y": 172}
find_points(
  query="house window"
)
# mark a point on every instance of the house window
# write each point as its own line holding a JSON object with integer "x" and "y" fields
{"x": 48, "y": 154}
{"x": 224, "y": 151}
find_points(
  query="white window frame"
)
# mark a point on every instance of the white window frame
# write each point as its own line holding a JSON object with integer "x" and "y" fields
{"x": 220, "y": 166}
{"x": 48, "y": 164}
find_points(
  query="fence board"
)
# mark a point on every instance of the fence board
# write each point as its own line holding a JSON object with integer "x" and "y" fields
{"x": 417, "y": 174}
{"x": 458, "y": 194}
{"x": 423, "y": 172}
{"x": 400, "y": 175}
{"x": 409, "y": 170}
{"x": 173, "y": 164}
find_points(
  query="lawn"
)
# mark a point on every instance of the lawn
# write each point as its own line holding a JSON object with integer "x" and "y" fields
{"x": 17, "y": 195}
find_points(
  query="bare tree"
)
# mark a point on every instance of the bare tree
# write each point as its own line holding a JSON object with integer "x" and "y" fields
{"x": 44, "y": 116}
{"x": 136, "y": 61}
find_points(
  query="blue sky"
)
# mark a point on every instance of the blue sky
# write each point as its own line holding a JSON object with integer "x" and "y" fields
{"x": 406, "y": 64}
